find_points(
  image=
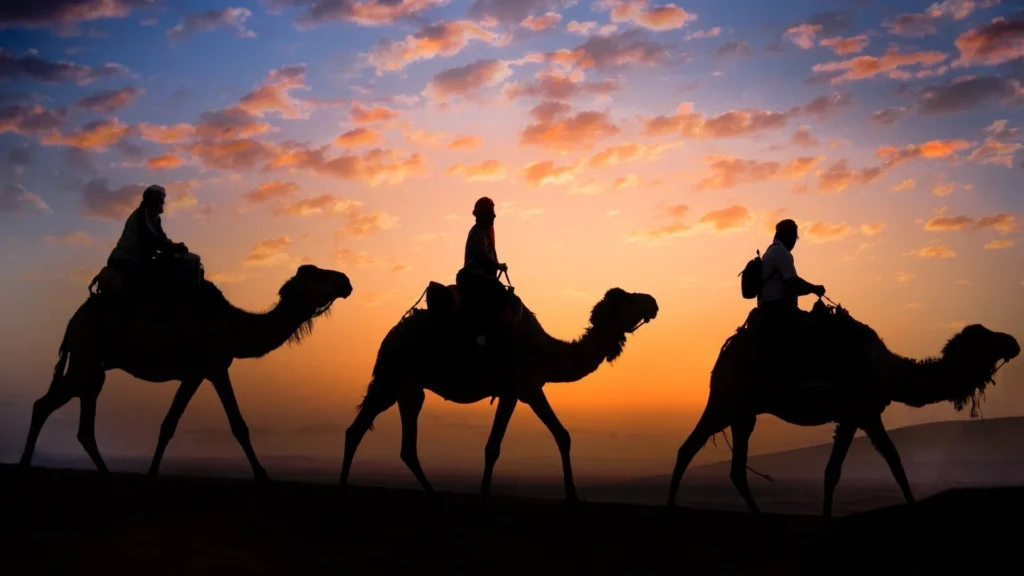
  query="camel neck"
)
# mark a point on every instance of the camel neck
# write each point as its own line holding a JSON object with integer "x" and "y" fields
{"x": 255, "y": 335}
{"x": 919, "y": 383}
{"x": 573, "y": 361}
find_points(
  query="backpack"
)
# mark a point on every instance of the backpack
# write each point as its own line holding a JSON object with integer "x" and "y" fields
{"x": 750, "y": 277}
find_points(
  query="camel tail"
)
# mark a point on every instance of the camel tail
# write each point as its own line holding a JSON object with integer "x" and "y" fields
{"x": 370, "y": 389}
{"x": 62, "y": 362}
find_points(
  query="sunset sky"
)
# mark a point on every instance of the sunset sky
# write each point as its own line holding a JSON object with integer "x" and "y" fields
{"x": 646, "y": 145}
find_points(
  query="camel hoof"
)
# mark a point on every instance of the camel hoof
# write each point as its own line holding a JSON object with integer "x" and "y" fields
{"x": 262, "y": 477}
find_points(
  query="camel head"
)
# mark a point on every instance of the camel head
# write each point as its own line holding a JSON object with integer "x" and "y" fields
{"x": 313, "y": 289}
{"x": 620, "y": 313}
{"x": 974, "y": 355}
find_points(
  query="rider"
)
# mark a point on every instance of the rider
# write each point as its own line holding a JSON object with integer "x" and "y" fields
{"x": 143, "y": 244}
{"x": 482, "y": 292}
{"x": 780, "y": 288}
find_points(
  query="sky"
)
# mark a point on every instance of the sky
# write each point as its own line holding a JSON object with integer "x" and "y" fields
{"x": 634, "y": 144}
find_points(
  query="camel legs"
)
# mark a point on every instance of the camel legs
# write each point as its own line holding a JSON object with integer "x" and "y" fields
{"x": 373, "y": 405}
{"x": 710, "y": 423}
{"x": 539, "y": 403}
{"x": 222, "y": 385}
{"x": 502, "y": 416}
{"x": 410, "y": 402}
{"x": 880, "y": 439}
{"x": 181, "y": 399}
{"x": 840, "y": 446}
{"x": 742, "y": 428}
{"x": 62, "y": 390}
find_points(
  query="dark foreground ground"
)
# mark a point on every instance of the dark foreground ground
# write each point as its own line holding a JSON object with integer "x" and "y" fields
{"x": 73, "y": 522}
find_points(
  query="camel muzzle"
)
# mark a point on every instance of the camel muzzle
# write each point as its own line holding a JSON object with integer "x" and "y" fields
{"x": 1013, "y": 350}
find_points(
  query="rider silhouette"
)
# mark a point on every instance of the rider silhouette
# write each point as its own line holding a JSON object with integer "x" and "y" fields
{"x": 482, "y": 293}
{"x": 777, "y": 301}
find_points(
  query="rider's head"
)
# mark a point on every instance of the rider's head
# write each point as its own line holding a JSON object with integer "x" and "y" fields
{"x": 153, "y": 198}
{"x": 484, "y": 210}
{"x": 786, "y": 232}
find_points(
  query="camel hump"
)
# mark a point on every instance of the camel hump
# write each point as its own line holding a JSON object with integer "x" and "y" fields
{"x": 442, "y": 299}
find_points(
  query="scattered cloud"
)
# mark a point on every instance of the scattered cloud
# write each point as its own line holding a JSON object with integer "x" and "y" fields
{"x": 269, "y": 252}
{"x": 33, "y": 67}
{"x": 546, "y": 172}
{"x": 891, "y": 64}
{"x": 905, "y": 277}
{"x": 272, "y": 190}
{"x": 100, "y": 201}
{"x": 642, "y": 13}
{"x": 827, "y": 232}
{"x": 543, "y": 22}
{"x": 730, "y": 219}
{"x": 512, "y": 11}
{"x": 361, "y": 12}
{"x": 887, "y": 116}
{"x": 935, "y": 251}
{"x": 229, "y": 18}
{"x": 558, "y": 131}
{"x": 872, "y": 229}
{"x": 109, "y": 101}
{"x": 358, "y": 137}
{"x": 362, "y": 114}
{"x": 999, "y": 41}
{"x": 968, "y": 93}
{"x": 274, "y": 96}
{"x": 14, "y": 199}
{"x": 1000, "y": 244}
{"x": 627, "y": 152}
{"x": 165, "y": 162}
{"x": 733, "y": 48}
{"x": 485, "y": 171}
{"x": 839, "y": 176}
{"x": 373, "y": 167}
{"x": 726, "y": 172}
{"x": 1003, "y": 223}
{"x": 63, "y": 16}
{"x": 613, "y": 52}
{"x": 441, "y": 39}
{"x": 467, "y": 81}
{"x": 96, "y": 135}
{"x": 905, "y": 184}
{"x": 843, "y": 46}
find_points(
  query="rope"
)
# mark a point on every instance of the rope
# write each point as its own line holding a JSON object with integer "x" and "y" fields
{"x": 727, "y": 443}
{"x": 413, "y": 307}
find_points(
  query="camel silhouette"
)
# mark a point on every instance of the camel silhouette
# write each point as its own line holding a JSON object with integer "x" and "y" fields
{"x": 427, "y": 351}
{"x": 157, "y": 340}
{"x": 739, "y": 393}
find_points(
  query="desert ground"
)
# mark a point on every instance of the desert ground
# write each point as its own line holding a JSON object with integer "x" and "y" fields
{"x": 79, "y": 522}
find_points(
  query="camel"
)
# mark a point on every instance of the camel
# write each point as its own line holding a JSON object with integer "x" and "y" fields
{"x": 828, "y": 394}
{"x": 158, "y": 341}
{"x": 427, "y": 351}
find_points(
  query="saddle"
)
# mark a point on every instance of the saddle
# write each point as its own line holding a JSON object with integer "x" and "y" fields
{"x": 825, "y": 340}
{"x": 183, "y": 273}
{"x": 444, "y": 302}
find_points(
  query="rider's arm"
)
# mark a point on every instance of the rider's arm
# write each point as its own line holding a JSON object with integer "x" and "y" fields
{"x": 794, "y": 283}
{"x": 154, "y": 232}
{"x": 800, "y": 286}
